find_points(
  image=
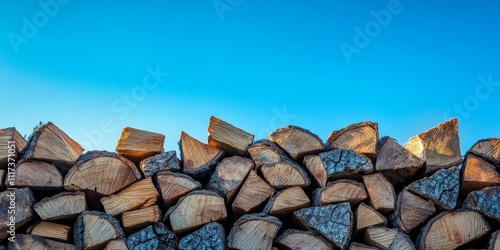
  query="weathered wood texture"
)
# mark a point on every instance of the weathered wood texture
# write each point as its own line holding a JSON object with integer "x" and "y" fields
{"x": 411, "y": 211}
{"x": 133, "y": 221}
{"x": 340, "y": 191}
{"x": 232, "y": 140}
{"x": 381, "y": 193}
{"x": 388, "y": 238}
{"x": 342, "y": 163}
{"x": 157, "y": 236}
{"x": 366, "y": 216}
{"x": 287, "y": 201}
{"x": 62, "y": 206}
{"x": 211, "y": 236}
{"x": 21, "y": 202}
{"x": 229, "y": 176}
{"x": 94, "y": 229}
{"x": 10, "y": 136}
{"x": 297, "y": 142}
{"x": 293, "y": 239}
{"x": 53, "y": 231}
{"x": 26, "y": 241}
{"x": 198, "y": 158}
{"x": 360, "y": 137}
{"x": 166, "y": 161}
{"x": 486, "y": 201}
{"x": 252, "y": 195}
{"x": 478, "y": 174}
{"x": 37, "y": 175}
{"x": 488, "y": 149}
{"x": 441, "y": 188}
{"x": 174, "y": 185}
{"x": 254, "y": 232}
{"x": 136, "y": 145}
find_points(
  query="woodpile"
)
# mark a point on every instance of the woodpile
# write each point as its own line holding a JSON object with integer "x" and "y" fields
{"x": 292, "y": 190}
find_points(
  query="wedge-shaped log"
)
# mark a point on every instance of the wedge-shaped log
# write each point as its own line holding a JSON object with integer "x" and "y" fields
{"x": 229, "y": 176}
{"x": 175, "y": 185}
{"x": 478, "y": 174}
{"x": 22, "y": 199}
{"x": 254, "y": 232}
{"x": 342, "y": 163}
{"x": 37, "y": 175}
{"x": 198, "y": 158}
{"x": 232, "y": 140}
{"x": 380, "y": 193}
{"x": 361, "y": 137}
{"x": 137, "y": 145}
{"x": 282, "y": 175}
{"x": 196, "y": 209}
{"x": 494, "y": 242}
{"x": 211, "y": 236}
{"x": 166, "y": 161}
{"x": 438, "y": 146}
{"x": 486, "y": 201}
{"x": 26, "y": 241}
{"x": 157, "y": 236}
{"x": 304, "y": 240}
{"x": 10, "y": 136}
{"x": 297, "y": 142}
{"x": 51, "y": 144}
{"x": 334, "y": 222}
{"x": 365, "y": 216}
{"x": 388, "y": 238}
{"x": 411, "y": 211}
{"x": 252, "y": 195}
{"x": 62, "y": 206}
{"x": 316, "y": 170}
{"x": 53, "y": 231}
{"x": 359, "y": 246}
{"x": 287, "y": 201}
{"x": 93, "y": 230}
{"x": 452, "y": 229}
{"x": 340, "y": 191}
{"x": 266, "y": 152}
{"x": 140, "y": 194}
{"x": 101, "y": 173}
{"x": 116, "y": 244}
{"x": 488, "y": 149}
{"x": 441, "y": 188}
{"x": 396, "y": 163}
{"x": 138, "y": 219}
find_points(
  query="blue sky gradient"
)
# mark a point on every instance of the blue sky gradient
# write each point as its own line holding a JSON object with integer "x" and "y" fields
{"x": 257, "y": 64}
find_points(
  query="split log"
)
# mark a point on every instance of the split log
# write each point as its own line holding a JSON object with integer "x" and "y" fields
{"x": 380, "y": 193}
{"x": 229, "y": 176}
{"x": 478, "y": 174}
{"x": 10, "y": 136}
{"x": 411, "y": 211}
{"x": 62, "y": 206}
{"x": 93, "y": 230}
{"x": 166, "y": 161}
{"x": 101, "y": 173}
{"x": 211, "y": 236}
{"x": 334, "y": 222}
{"x": 157, "y": 236}
{"x": 494, "y": 243}
{"x": 342, "y": 163}
{"x": 487, "y": 149}
{"x": 266, "y": 152}
{"x": 438, "y": 146}
{"x": 285, "y": 202}
{"x": 360, "y": 137}
{"x": 359, "y": 246}
{"x": 388, "y": 238}
{"x": 316, "y": 169}
{"x": 20, "y": 202}
{"x": 2, "y": 179}
{"x": 252, "y": 195}
{"x": 293, "y": 239}
{"x": 196, "y": 209}
{"x": 282, "y": 175}
{"x": 26, "y": 241}
{"x": 396, "y": 163}
{"x": 452, "y": 229}
{"x": 175, "y": 185}
{"x": 135, "y": 220}
{"x": 116, "y": 244}
{"x": 232, "y": 140}
{"x": 51, "y": 144}
{"x": 37, "y": 175}
{"x": 198, "y": 158}
{"x": 441, "y": 188}
{"x": 140, "y": 194}
{"x": 486, "y": 201}
{"x": 340, "y": 191}
{"x": 365, "y": 216}
{"x": 53, "y": 231}
{"x": 297, "y": 142}
{"x": 137, "y": 145}
{"x": 254, "y": 232}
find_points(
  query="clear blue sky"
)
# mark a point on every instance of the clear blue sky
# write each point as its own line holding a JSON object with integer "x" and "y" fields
{"x": 257, "y": 64}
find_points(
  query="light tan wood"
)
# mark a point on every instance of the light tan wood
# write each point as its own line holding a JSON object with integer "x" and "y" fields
{"x": 24, "y": 200}
{"x": 282, "y": 175}
{"x": 380, "y": 193}
{"x": 340, "y": 191}
{"x": 316, "y": 170}
{"x": 304, "y": 240}
{"x": 93, "y": 230}
{"x": 252, "y": 195}
{"x": 38, "y": 175}
{"x": 198, "y": 158}
{"x": 254, "y": 232}
{"x": 196, "y": 209}
{"x": 116, "y": 244}
{"x": 62, "y": 206}
{"x": 487, "y": 149}
{"x": 232, "y": 140}
{"x": 174, "y": 185}
{"x": 137, "y": 145}
{"x": 33, "y": 242}
{"x": 494, "y": 243}
{"x": 10, "y": 136}
{"x": 361, "y": 137}
{"x": 53, "y": 231}
{"x": 438, "y": 146}
{"x": 359, "y": 246}
{"x": 365, "y": 216}
{"x": 133, "y": 221}
{"x": 388, "y": 238}
{"x": 3, "y": 179}
{"x": 51, "y": 144}
{"x": 266, "y": 152}
{"x": 287, "y": 201}
{"x": 141, "y": 194}
{"x": 297, "y": 142}
{"x": 411, "y": 211}
{"x": 229, "y": 176}
{"x": 478, "y": 174}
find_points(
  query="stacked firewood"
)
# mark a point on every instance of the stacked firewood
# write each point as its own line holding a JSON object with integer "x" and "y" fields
{"x": 289, "y": 191}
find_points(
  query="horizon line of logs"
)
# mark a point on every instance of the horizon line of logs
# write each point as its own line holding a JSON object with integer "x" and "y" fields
{"x": 354, "y": 191}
